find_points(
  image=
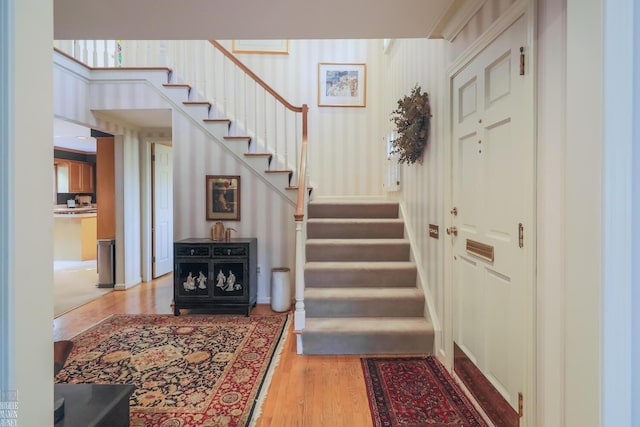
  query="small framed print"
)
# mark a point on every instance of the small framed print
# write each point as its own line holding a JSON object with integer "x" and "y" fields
{"x": 223, "y": 197}
{"x": 260, "y": 46}
{"x": 342, "y": 85}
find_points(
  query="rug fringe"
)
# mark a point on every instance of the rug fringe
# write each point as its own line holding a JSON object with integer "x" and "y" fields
{"x": 264, "y": 388}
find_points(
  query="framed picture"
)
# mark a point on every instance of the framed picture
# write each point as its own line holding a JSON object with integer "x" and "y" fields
{"x": 260, "y": 46}
{"x": 342, "y": 85}
{"x": 223, "y": 197}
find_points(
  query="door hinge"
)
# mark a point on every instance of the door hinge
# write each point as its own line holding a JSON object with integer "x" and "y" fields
{"x": 521, "y": 235}
{"x": 153, "y": 157}
{"x": 153, "y": 259}
{"x": 520, "y": 405}
{"x": 521, "y": 60}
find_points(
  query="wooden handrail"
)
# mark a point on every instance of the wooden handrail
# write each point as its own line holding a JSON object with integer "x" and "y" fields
{"x": 257, "y": 79}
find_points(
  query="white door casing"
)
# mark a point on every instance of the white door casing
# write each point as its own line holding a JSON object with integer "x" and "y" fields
{"x": 493, "y": 192}
{"x": 162, "y": 175}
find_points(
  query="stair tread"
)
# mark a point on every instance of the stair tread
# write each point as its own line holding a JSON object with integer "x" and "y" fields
{"x": 340, "y": 201}
{"x": 177, "y": 85}
{"x": 365, "y": 293}
{"x": 366, "y": 265}
{"x": 354, "y": 220}
{"x": 258, "y": 154}
{"x": 367, "y": 324}
{"x": 358, "y": 241}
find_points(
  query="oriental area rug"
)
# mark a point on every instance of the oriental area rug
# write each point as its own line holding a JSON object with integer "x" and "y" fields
{"x": 190, "y": 370}
{"x": 415, "y": 391}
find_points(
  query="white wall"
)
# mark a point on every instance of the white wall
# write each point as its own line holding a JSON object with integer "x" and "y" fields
{"x": 551, "y": 292}
{"x": 582, "y": 211}
{"x": 423, "y": 62}
{"x": 264, "y": 213}
{"x": 29, "y": 213}
{"x": 346, "y": 145}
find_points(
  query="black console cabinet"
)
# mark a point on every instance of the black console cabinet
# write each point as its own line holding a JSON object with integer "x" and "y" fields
{"x": 215, "y": 275}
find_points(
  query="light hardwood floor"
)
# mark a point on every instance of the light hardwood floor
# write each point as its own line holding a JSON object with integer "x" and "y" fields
{"x": 305, "y": 391}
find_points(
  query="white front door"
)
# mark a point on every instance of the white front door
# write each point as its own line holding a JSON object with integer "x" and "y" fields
{"x": 162, "y": 210}
{"x": 493, "y": 196}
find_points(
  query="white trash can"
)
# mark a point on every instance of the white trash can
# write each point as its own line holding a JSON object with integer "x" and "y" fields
{"x": 280, "y": 289}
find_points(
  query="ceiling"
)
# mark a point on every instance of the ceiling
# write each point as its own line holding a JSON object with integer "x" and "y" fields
{"x": 72, "y": 136}
{"x": 247, "y": 19}
{"x": 77, "y": 137}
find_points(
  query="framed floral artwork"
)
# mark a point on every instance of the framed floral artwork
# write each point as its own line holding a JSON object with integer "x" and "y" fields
{"x": 223, "y": 197}
{"x": 342, "y": 85}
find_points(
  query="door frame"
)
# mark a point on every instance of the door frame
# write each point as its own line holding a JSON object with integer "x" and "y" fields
{"x": 146, "y": 209}
{"x": 527, "y": 10}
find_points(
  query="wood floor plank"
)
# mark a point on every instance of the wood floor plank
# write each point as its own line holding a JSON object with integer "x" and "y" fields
{"x": 305, "y": 391}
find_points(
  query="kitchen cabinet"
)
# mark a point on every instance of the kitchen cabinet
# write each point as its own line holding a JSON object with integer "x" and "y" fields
{"x": 80, "y": 177}
{"x": 215, "y": 275}
{"x": 74, "y": 176}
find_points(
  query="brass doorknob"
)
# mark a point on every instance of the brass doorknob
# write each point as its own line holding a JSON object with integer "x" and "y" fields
{"x": 452, "y": 230}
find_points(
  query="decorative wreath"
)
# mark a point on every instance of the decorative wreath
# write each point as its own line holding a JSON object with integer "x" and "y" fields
{"x": 412, "y": 119}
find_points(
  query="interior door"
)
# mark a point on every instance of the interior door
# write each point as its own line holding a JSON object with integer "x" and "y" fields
{"x": 162, "y": 175}
{"x": 493, "y": 196}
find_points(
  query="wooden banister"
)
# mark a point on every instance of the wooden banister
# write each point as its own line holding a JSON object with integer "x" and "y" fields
{"x": 302, "y": 170}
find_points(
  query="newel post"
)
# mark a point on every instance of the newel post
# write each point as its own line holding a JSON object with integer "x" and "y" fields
{"x": 299, "y": 316}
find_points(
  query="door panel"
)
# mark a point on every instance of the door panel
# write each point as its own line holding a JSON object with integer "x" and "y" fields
{"x": 470, "y": 176}
{"x": 492, "y": 189}
{"x": 469, "y": 334}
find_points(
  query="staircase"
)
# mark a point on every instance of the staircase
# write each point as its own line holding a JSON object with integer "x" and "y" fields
{"x": 361, "y": 294}
{"x": 242, "y": 146}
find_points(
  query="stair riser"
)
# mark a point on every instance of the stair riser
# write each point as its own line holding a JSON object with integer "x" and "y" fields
{"x": 409, "y": 307}
{"x": 357, "y": 277}
{"x": 340, "y": 210}
{"x": 177, "y": 95}
{"x": 219, "y": 130}
{"x": 198, "y": 112}
{"x": 346, "y": 252}
{"x": 367, "y": 343}
{"x": 354, "y": 231}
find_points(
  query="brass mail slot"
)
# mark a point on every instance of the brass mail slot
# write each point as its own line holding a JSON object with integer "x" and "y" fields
{"x": 480, "y": 249}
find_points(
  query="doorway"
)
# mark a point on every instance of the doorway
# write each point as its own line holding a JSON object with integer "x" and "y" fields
{"x": 162, "y": 209}
{"x": 493, "y": 195}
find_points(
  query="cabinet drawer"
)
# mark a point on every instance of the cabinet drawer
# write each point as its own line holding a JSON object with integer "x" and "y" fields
{"x": 230, "y": 251}
{"x": 193, "y": 251}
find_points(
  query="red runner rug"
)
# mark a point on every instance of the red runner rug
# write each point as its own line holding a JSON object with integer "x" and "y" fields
{"x": 415, "y": 391}
{"x": 193, "y": 370}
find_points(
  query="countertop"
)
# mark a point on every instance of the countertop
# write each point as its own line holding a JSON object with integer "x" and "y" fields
{"x": 63, "y": 211}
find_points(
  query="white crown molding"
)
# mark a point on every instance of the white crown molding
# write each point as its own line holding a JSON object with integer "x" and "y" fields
{"x": 455, "y": 18}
